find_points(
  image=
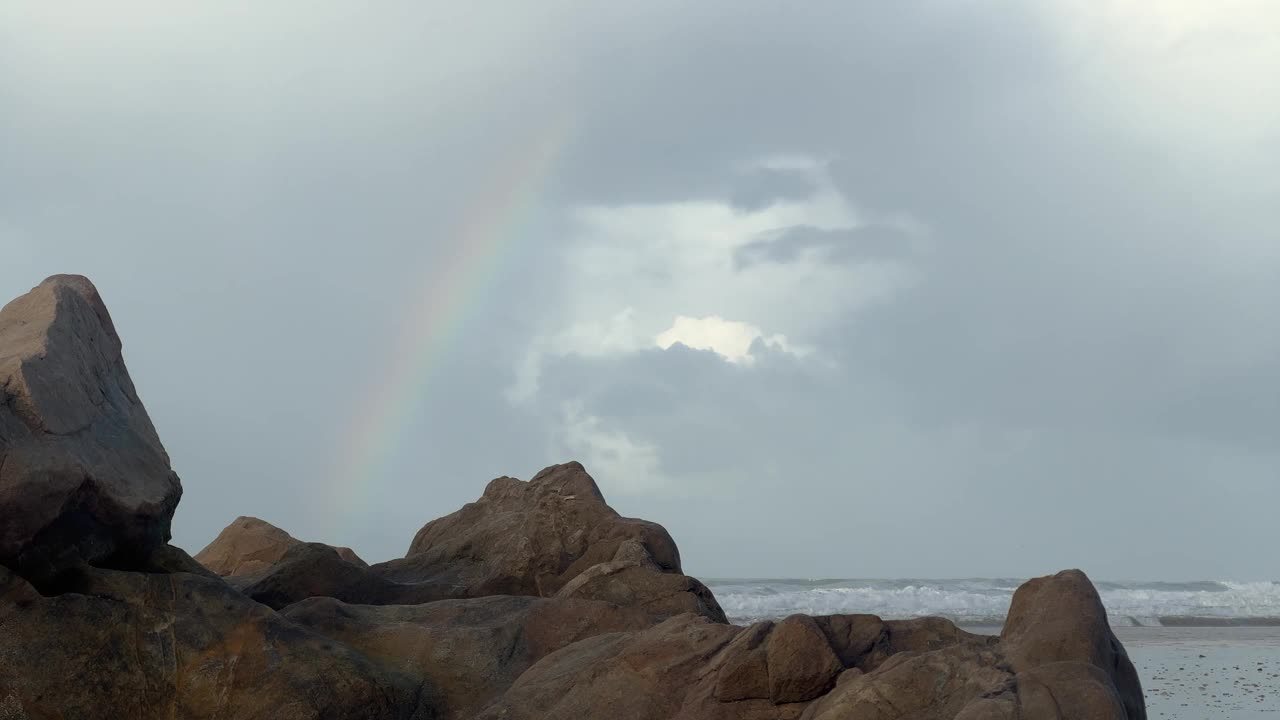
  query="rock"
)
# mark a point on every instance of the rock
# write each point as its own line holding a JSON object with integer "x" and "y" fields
{"x": 1000, "y": 707}
{"x": 529, "y": 538}
{"x": 468, "y": 651}
{"x": 644, "y": 675}
{"x": 1060, "y": 618}
{"x": 744, "y": 670}
{"x": 159, "y": 646}
{"x": 83, "y": 476}
{"x": 249, "y": 546}
{"x": 827, "y": 668}
{"x": 317, "y": 570}
{"x": 1068, "y": 691}
{"x": 570, "y": 610}
{"x": 852, "y": 637}
{"x": 934, "y": 685}
{"x": 626, "y": 582}
{"x": 802, "y": 664}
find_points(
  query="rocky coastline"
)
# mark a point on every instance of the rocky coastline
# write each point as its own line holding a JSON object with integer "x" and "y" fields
{"x": 537, "y": 600}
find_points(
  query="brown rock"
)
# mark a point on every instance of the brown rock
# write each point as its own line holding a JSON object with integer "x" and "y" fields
{"x": 1001, "y": 707}
{"x": 83, "y": 476}
{"x": 528, "y": 538}
{"x": 249, "y": 546}
{"x": 744, "y": 669}
{"x": 852, "y": 637}
{"x": 159, "y": 646}
{"x": 802, "y": 664}
{"x": 622, "y": 676}
{"x": 627, "y": 582}
{"x": 1068, "y": 691}
{"x": 317, "y": 570}
{"x": 1060, "y": 618}
{"x": 468, "y": 651}
{"x": 934, "y": 685}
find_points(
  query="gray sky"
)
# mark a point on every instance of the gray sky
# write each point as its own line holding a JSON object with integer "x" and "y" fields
{"x": 843, "y": 290}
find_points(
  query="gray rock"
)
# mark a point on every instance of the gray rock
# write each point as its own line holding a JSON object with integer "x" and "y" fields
{"x": 83, "y": 476}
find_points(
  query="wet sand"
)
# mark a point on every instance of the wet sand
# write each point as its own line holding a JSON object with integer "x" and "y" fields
{"x": 1203, "y": 673}
{"x": 1199, "y": 673}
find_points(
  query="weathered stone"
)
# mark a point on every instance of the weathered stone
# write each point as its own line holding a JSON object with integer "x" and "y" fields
{"x": 249, "y": 546}
{"x": 934, "y": 685}
{"x": 802, "y": 664}
{"x": 621, "y": 676}
{"x": 1068, "y": 691}
{"x": 469, "y": 651}
{"x": 1060, "y": 618}
{"x": 744, "y": 671}
{"x": 626, "y": 582}
{"x": 528, "y": 538}
{"x": 852, "y": 637}
{"x": 317, "y": 570}
{"x": 159, "y": 646}
{"x": 83, "y": 476}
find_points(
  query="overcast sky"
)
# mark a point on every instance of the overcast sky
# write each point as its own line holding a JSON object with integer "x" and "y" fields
{"x": 836, "y": 289}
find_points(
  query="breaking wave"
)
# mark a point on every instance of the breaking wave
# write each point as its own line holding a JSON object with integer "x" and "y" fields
{"x": 984, "y": 601}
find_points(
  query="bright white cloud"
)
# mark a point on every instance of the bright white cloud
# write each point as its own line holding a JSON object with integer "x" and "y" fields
{"x": 730, "y": 339}
{"x": 631, "y": 269}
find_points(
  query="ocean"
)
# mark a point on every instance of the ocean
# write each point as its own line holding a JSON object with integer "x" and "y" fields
{"x": 984, "y": 601}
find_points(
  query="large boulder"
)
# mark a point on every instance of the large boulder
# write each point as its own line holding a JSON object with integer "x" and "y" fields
{"x": 151, "y": 645}
{"x": 83, "y": 476}
{"x": 249, "y": 546}
{"x": 1060, "y": 618}
{"x": 533, "y": 538}
{"x": 468, "y": 651}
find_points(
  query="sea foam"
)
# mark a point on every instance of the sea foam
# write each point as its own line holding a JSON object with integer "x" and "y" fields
{"x": 983, "y": 601}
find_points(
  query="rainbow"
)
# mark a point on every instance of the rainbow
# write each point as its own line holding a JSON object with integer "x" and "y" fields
{"x": 489, "y": 229}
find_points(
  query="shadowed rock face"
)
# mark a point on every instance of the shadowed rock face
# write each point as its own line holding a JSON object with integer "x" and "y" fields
{"x": 138, "y": 645}
{"x": 249, "y": 546}
{"x": 317, "y": 570}
{"x": 83, "y": 476}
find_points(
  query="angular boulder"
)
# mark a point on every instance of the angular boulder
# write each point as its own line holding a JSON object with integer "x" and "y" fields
{"x": 1060, "y": 618}
{"x": 83, "y": 476}
{"x": 250, "y": 546}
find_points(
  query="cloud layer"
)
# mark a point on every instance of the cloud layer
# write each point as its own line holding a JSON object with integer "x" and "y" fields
{"x": 835, "y": 290}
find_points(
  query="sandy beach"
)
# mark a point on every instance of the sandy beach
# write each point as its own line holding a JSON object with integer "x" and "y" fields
{"x": 1198, "y": 673}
